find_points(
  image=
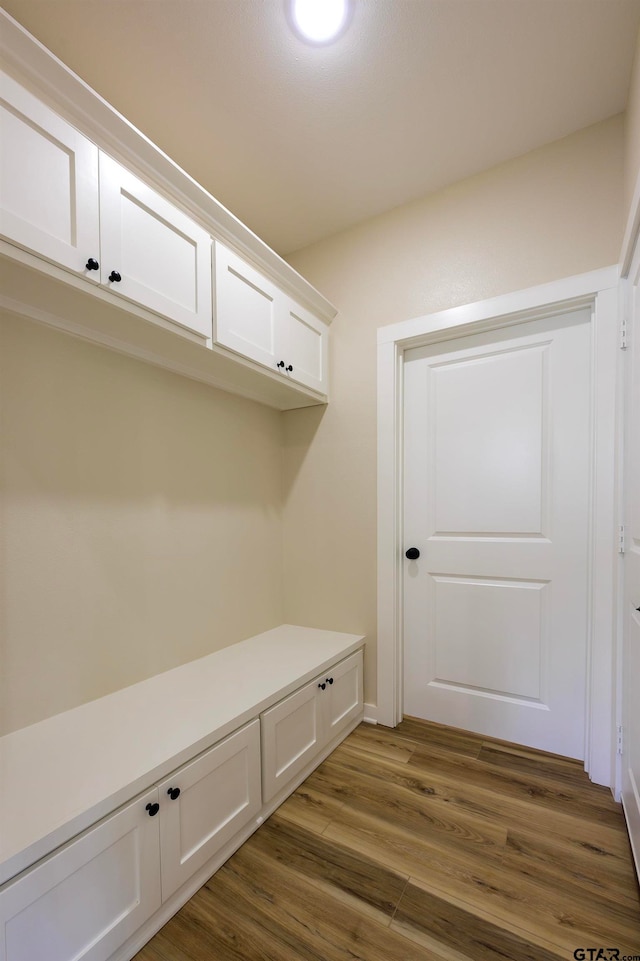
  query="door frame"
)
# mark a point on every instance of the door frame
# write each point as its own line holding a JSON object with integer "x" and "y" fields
{"x": 598, "y": 290}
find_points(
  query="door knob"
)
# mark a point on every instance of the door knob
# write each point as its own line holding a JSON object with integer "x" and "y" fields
{"x": 413, "y": 554}
{"x": 152, "y": 809}
{"x": 289, "y": 368}
{"x": 280, "y": 363}
{"x": 115, "y": 277}
{"x": 92, "y": 264}
{"x": 174, "y": 792}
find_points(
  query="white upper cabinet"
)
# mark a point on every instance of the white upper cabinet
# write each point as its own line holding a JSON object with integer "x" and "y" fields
{"x": 305, "y": 343}
{"x": 48, "y": 182}
{"x": 253, "y": 317}
{"x": 152, "y": 253}
{"x": 246, "y": 314}
{"x": 136, "y": 235}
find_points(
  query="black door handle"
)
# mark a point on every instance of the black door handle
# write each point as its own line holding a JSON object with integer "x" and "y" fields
{"x": 92, "y": 264}
{"x": 152, "y": 809}
{"x": 413, "y": 554}
{"x": 115, "y": 277}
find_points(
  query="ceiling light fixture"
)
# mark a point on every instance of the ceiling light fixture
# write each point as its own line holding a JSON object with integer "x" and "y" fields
{"x": 319, "y": 21}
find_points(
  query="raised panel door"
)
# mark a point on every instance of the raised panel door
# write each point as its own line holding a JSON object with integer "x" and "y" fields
{"x": 82, "y": 903}
{"x": 497, "y": 465}
{"x": 162, "y": 257}
{"x": 219, "y": 793}
{"x": 48, "y": 183}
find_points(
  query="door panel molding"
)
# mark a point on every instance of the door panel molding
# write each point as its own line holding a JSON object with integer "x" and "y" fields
{"x": 597, "y": 290}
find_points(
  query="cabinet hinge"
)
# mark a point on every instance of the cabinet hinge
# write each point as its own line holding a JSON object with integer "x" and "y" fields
{"x": 619, "y": 739}
{"x": 621, "y": 539}
{"x": 623, "y": 333}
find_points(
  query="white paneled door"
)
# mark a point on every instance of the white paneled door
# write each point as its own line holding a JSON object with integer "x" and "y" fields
{"x": 497, "y": 466}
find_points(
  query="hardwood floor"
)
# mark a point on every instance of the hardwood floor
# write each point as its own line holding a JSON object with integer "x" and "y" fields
{"x": 422, "y": 843}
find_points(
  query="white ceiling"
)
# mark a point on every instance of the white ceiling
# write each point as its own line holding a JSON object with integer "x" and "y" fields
{"x": 300, "y": 142}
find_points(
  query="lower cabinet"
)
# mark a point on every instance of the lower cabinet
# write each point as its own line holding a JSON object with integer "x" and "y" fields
{"x": 297, "y": 729}
{"x": 85, "y": 900}
{"x": 204, "y": 803}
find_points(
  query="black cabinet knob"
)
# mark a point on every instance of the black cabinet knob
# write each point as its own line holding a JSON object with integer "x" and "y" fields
{"x": 329, "y": 680}
{"x": 323, "y": 685}
{"x": 413, "y": 554}
{"x": 174, "y": 792}
{"x": 152, "y": 809}
{"x": 289, "y": 368}
{"x": 115, "y": 277}
{"x": 92, "y": 264}
{"x": 280, "y": 363}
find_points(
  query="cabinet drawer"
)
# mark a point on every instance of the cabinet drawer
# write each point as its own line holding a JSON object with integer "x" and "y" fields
{"x": 219, "y": 792}
{"x": 291, "y": 736}
{"x": 85, "y": 901}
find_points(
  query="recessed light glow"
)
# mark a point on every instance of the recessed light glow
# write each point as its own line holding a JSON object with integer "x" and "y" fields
{"x": 319, "y": 21}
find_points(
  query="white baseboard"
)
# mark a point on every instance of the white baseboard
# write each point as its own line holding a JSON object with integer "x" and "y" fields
{"x": 370, "y": 714}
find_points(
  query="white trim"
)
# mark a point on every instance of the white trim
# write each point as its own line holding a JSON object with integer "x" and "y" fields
{"x": 599, "y": 289}
{"x": 370, "y": 714}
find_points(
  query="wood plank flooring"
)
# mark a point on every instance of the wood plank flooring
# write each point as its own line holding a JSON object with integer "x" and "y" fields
{"x": 422, "y": 843}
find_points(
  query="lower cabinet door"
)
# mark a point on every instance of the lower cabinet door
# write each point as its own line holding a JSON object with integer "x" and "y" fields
{"x": 343, "y": 698}
{"x": 291, "y": 736}
{"x": 206, "y": 802}
{"x": 83, "y": 902}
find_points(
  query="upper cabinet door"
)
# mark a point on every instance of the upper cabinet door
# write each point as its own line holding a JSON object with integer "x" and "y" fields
{"x": 246, "y": 309}
{"x": 48, "y": 182}
{"x": 153, "y": 253}
{"x": 305, "y": 347}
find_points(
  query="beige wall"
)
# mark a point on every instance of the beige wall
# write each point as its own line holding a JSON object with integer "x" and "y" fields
{"x": 141, "y": 523}
{"x": 552, "y": 213}
{"x": 632, "y": 133}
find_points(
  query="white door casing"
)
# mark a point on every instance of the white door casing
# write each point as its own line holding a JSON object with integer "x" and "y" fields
{"x": 630, "y": 666}
{"x": 597, "y": 291}
{"x": 496, "y": 475}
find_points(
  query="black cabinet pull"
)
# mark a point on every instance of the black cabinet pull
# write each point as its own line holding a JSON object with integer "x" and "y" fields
{"x": 413, "y": 554}
{"x": 280, "y": 363}
{"x": 174, "y": 792}
{"x": 289, "y": 368}
{"x": 322, "y": 686}
{"x": 92, "y": 264}
{"x": 115, "y": 277}
{"x": 152, "y": 809}
{"x": 329, "y": 680}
